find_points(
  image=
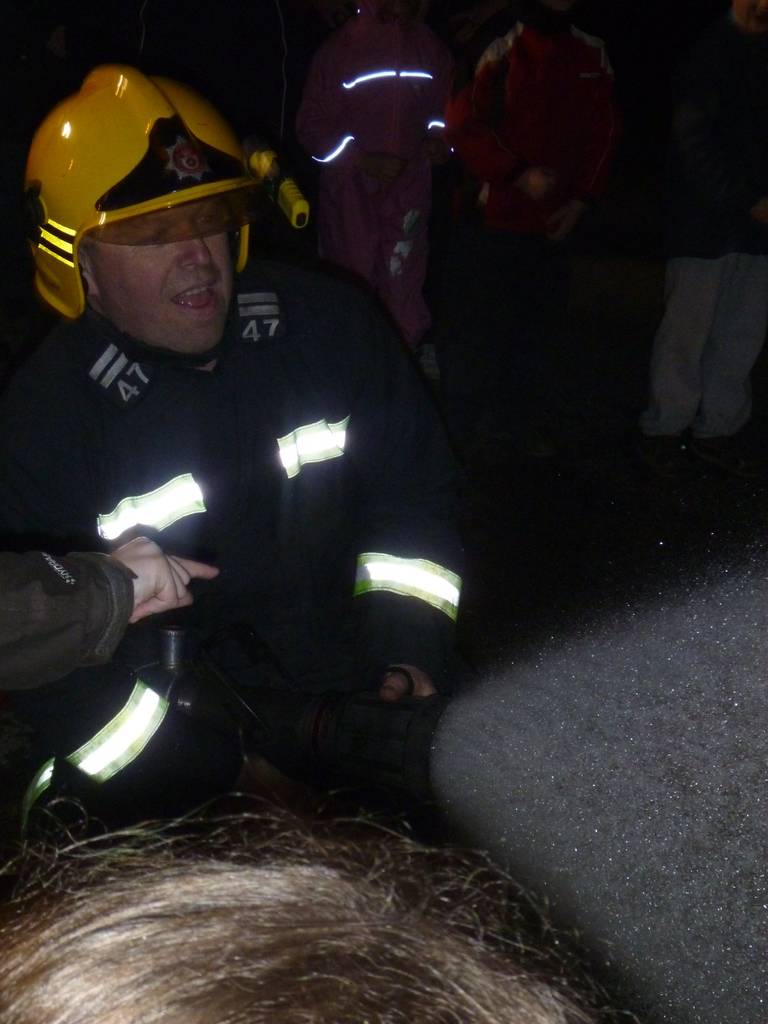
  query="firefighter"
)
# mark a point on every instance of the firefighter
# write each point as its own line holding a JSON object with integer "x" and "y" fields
{"x": 263, "y": 420}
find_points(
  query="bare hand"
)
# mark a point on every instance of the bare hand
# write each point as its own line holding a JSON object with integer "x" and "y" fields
{"x": 396, "y": 685}
{"x": 161, "y": 580}
{"x": 564, "y": 220}
{"x": 382, "y": 166}
{"x": 537, "y": 182}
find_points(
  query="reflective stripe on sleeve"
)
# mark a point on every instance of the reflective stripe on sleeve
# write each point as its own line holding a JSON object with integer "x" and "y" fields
{"x": 314, "y": 442}
{"x": 411, "y": 577}
{"x": 159, "y": 509}
{"x": 124, "y": 737}
{"x": 113, "y": 747}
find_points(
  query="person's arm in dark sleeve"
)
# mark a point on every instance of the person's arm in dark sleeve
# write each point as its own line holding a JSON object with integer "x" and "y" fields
{"x": 59, "y": 613}
{"x": 410, "y": 559}
{"x": 717, "y": 174}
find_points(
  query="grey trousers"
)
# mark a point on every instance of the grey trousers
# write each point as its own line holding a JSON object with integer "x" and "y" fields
{"x": 710, "y": 336}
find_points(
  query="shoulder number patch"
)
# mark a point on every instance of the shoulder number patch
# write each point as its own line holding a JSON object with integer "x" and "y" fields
{"x": 259, "y": 316}
{"x": 123, "y": 381}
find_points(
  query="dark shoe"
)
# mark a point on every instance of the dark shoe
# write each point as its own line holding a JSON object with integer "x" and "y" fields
{"x": 666, "y": 456}
{"x": 727, "y": 454}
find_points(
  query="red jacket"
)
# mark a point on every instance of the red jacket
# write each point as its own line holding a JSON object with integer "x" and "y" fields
{"x": 536, "y": 98}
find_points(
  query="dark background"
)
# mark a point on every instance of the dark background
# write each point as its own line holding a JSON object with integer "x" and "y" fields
{"x": 549, "y": 542}
{"x": 553, "y": 543}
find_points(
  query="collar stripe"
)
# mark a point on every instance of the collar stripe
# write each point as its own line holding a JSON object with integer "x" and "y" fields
{"x": 256, "y": 297}
{"x": 103, "y": 361}
{"x": 261, "y": 310}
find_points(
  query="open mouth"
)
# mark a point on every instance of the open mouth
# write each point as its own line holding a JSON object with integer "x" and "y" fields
{"x": 202, "y": 297}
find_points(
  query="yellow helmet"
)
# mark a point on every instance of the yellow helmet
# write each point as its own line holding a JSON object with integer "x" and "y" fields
{"x": 125, "y": 146}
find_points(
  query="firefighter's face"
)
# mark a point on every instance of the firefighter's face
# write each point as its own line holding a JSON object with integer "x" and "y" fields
{"x": 751, "y": 15}
{"x": 173, "y": 295}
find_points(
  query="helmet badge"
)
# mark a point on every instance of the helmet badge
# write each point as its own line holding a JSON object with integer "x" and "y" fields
{"x": 185, "y": 159}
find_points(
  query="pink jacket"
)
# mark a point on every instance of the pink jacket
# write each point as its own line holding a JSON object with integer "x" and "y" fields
{"x": 382, "y": 87}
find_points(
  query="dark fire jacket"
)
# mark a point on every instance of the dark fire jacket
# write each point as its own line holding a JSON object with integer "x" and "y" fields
{"x": 309, "y": 465}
